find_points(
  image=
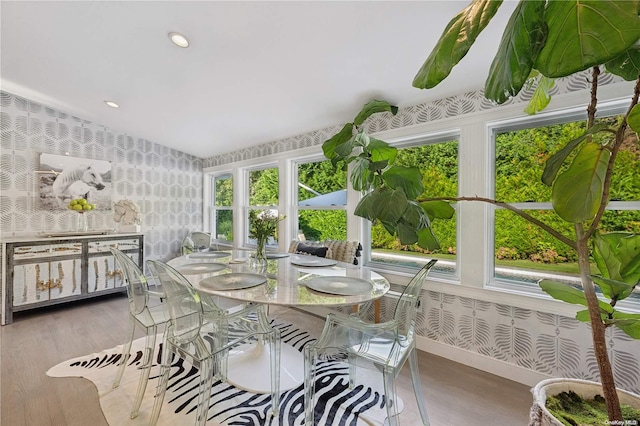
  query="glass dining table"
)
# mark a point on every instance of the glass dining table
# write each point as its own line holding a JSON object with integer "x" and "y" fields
{"x": 288, "y": 280}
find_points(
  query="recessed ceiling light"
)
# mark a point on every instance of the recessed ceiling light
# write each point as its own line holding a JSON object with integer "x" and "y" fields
{"x": 112, "y": 104}
{"x": 179, "y": 40}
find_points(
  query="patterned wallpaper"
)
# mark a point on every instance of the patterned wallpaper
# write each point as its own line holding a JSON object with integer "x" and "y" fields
{"x": 165, "y": 183}
{"x": 538, "y": 341}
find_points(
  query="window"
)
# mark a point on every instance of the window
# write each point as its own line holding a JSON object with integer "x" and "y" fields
{"x": 438, "y": 162}
{"x": 222, "y": 208}
{"x": 263, "y": 194}
{"x": 322, "y": 201}
{"x": 523, "y": 252}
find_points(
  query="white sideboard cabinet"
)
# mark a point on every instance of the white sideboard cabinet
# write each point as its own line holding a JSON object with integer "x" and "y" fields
{"x": 39, "y": 272}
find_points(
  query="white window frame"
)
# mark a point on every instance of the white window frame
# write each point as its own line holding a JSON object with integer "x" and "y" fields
{"x": 605, "y": 109}
{"x": 210, "y": 205}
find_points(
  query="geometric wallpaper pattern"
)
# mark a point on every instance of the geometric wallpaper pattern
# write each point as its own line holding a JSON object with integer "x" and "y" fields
{"x": 547, "y": 343}
{"x": 167, "y": 185}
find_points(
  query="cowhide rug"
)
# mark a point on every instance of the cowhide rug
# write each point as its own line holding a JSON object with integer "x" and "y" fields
{"x": 336, "y": 404}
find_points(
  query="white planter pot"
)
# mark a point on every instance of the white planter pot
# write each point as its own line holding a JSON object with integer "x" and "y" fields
{"x": 540, "y": 416}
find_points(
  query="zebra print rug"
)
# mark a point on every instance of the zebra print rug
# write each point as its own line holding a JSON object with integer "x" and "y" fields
{"x": 336, "y": 404}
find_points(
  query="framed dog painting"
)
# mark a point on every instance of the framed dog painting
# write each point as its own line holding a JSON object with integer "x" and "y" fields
{"x": 62, "y": 178}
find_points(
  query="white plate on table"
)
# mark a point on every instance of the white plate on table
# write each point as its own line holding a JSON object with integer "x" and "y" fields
{"x": 200, "y": 268}
{"x": 233, "y": 281}
{"x": 277, "y": 255}
{"x": 208, "y": 255}
{"x": 344, "y": 286}
{"x": 312, "y": 261}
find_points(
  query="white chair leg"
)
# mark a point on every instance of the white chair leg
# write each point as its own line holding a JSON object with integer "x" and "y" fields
{"x": 163, "y": 379}
{"x": 417, "y": 386}
{"x": 309, "y": 384}
{"x": 275, "y": 348}
{"x": 391, "y": 396}
{"x": 125, "y": 353}
{"x": 147, "y": 360}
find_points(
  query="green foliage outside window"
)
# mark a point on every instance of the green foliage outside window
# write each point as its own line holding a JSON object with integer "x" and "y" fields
{"x": 439, "y": 179}
{"x": 520, "y": 161}
{"x": 263, "y": 187}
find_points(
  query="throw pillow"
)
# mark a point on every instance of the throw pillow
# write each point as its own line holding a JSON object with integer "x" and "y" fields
{"x": 311, "y": 250}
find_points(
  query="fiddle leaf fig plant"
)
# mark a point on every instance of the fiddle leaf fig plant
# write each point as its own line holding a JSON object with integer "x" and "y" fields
{"x": 391, "y": 191}
{"x": 542, "y": 41}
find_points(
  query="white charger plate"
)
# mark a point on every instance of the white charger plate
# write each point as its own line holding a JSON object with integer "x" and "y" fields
{"x": 200, "y": 268}
{"x": 277, "y": 255}
{"x": 344, "y": 286}
{"x": 233, "y": 281}
{"x": 312, "y": 261}
{"x": 208, "y": 255}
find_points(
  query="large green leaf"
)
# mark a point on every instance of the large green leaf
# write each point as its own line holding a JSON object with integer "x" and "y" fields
{"x": 521, "y": 41}
{"x": 634, "y": 118}
{"x": 576, "y": 193}
{"x": 585, "y": 317}
{"x": 626, "y": 65}
{"x": 438, "y": 209}
{"x": 360, "y": 174}
{"x": 569, "y": 294}
{"x": 364, "y": 208}
{"x": 612, "y": 289}
{"x": 345, "y": 149}
{"x": 454, "y": 43}
{"x": 373, "y": 107}
{"x": 415, "y": 216}
{"x": 381, "y": 151}
{"x": 629, "y": 323}
{"x": 407, "y": 178}
{"x": 361, "y": 139}
{"x": 584, "y": 33}
{"x": 427, "y": 239}
{"x": 344, "y": 135}
{"x": 617, "y": 255}
{"x": 541, "y": 96}
{"x": 564, "y": 292}
{"x": 406, "y": 233}
{"x": 389, "y": 205}
{"x": 554, "y": 163}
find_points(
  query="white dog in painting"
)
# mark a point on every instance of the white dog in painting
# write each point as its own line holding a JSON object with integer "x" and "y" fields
{"x": 76, "y": 183}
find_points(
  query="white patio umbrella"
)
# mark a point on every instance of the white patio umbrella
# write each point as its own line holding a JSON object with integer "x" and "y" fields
{"x": 335, "y": 198}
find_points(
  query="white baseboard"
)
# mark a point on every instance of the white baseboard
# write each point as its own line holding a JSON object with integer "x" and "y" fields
{"x": 481, "y": 362}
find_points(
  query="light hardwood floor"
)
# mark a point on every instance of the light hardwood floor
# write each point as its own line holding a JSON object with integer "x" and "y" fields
{"x": 455, "y": 394}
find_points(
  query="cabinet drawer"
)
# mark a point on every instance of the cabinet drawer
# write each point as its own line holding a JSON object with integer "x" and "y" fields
{"x": 45, "y": 251}
{"x": 104, "y": 246}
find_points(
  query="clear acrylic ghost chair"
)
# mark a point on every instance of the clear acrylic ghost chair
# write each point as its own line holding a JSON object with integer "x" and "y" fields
{"x": 143, "y": 314}
{"x": 204, "y": 333}
{"x": 387, "y": 345}
{"x": 196, "y": 241}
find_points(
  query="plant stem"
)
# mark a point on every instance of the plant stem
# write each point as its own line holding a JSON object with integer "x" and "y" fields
{"x": 526, "y": 216}
{"x": 597, "y": 328}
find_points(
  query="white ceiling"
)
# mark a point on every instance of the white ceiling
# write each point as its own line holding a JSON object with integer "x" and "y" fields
{"x": 255, "y": 71}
